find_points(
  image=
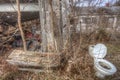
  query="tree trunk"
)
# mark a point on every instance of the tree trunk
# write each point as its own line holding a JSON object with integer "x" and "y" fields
{"x": 42, "y": 23}
{"x": 55, "y": 23}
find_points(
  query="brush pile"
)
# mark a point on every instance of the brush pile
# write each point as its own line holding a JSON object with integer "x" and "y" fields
{"x": 10, "y": 38}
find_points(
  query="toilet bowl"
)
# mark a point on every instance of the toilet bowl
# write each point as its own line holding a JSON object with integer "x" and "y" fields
{"x": 104, "y": 68}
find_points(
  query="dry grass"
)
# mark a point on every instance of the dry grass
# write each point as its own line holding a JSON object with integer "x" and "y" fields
{"x": 6, "y": 70}
{"x": 79, "y": 68}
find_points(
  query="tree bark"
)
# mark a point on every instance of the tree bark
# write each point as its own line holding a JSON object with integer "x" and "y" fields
{"x": 42, "y": 23}
{"x": 57, "y": 25}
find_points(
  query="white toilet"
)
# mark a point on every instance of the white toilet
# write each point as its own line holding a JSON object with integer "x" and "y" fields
{"x": 102, "y": 66}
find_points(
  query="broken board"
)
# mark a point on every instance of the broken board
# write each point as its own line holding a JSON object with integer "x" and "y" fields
{"x": 33, "y": 60}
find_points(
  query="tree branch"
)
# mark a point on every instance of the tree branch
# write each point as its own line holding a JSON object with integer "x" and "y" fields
{"x": 20, "y": 26}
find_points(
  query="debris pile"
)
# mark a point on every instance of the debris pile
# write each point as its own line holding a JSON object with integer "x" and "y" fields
{"x": 10, "y": 38}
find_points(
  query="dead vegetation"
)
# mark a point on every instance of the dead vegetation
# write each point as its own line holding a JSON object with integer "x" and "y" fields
{"x": 75, "y": 62}
{"x": 79, "y": 68}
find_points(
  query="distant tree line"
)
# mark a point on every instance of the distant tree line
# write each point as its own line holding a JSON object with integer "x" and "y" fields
{"x": 117, "y": 3}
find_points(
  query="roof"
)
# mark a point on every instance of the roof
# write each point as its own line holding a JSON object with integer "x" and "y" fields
{"x": 13, "y": 1}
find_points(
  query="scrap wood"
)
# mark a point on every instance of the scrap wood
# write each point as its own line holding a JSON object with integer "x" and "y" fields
{"x": 34, "y": 70}
{"x": 22, "y": 63}
{"x": 36, "y": 59}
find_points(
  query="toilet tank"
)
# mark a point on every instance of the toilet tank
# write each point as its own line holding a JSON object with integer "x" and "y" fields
{"x": 98, "y": 50}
